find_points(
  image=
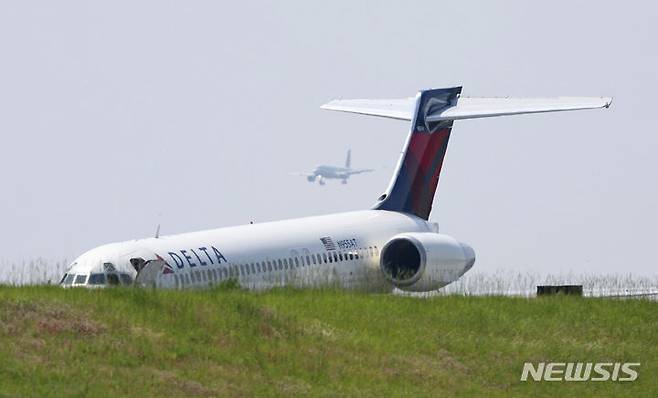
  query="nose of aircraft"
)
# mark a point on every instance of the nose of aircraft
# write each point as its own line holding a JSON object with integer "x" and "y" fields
{"x": 469, "y": 256}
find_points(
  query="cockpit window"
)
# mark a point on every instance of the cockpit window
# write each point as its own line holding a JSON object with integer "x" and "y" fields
{"x": 126, "y": 279}
{"x": 69, "y": 279}
{"x": 112, "y": 279}
{"x": 97, "y": 279}
{"x": 80, "y": 279}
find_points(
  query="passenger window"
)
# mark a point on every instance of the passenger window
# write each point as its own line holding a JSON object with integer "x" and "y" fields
{"x": 96, "y": 279}
{"x": 331, "y": 260}
{"x": 80, "y": 279}
{"x": 335, "y": 257}
{"x": 340, "y": 256}
{"x": 280, "y": 264}
{"x": 112, "y": 279}
{"x": 308, "y": 260}
{"x": 285, "y": 263}
{"x": 351, "y": 256}
{"x": 324, "y": 257}
{"x": 69, "y": 279}
{"x": 258, "y": 267}
{"x": 297, "y": 262}
{"x": 313, "y": 258}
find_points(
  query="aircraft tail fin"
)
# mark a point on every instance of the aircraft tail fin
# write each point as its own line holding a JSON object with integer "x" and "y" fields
{"x": 432, "y": 113}
{"x": 413, "y": 185}
{"x": 348, "y": 161}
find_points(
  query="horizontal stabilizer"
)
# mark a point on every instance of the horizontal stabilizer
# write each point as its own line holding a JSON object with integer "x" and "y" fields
{"x": 468, "y": 107}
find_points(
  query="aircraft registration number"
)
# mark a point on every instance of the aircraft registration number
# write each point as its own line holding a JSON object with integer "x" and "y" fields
{"x": 347, "y": 244}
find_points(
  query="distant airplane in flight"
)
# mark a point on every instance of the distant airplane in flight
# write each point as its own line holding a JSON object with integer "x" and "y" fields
{"x": 391, "y": 245}
{"x": 324, "y": 172}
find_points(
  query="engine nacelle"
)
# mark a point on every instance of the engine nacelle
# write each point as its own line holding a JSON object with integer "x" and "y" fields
{"x": 424, "y": 261}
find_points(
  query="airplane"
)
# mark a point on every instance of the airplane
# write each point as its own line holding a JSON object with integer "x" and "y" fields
{"x": 322, "y": 172}
{"x": 391, "y": 245}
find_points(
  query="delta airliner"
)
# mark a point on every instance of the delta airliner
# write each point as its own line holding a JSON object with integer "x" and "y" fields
{"x": 392, "y": 245}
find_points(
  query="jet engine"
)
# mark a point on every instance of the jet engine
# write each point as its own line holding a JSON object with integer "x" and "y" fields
{"x": 424, "y": 261}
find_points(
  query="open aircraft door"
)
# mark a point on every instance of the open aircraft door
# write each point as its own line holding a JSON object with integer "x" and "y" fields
{"x": 153, "y": 274}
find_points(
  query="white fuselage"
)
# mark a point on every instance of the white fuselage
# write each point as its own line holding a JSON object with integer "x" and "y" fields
{"x": 332, "y": 172}
{"x": 339, "y": 250}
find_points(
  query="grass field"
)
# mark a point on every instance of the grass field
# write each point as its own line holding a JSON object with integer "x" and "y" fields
{"x": 75, "y": 342}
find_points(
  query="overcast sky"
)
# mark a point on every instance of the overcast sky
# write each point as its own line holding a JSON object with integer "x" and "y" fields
{"x": 120, "y": 116}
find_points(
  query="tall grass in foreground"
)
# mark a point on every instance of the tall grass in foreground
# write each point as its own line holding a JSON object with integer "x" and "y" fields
{"x": 325, "y": 342}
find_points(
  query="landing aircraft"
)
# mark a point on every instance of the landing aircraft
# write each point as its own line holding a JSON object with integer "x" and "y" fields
{"x": 324, "y": 172}
{"x": 391, "y": 245}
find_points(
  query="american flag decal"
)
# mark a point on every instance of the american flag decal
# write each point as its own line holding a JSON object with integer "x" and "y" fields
{"x": 328, "y": 243}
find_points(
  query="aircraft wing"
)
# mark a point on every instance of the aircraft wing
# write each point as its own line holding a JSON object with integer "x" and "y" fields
{"x": 467, "y": 107}
{"x": 359, "y": 171}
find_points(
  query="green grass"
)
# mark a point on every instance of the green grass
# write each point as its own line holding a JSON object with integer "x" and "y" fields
{"x": 129, "y": 342}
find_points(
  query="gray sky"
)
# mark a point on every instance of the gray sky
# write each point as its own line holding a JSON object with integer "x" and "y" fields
{"x": 115, "y": 117}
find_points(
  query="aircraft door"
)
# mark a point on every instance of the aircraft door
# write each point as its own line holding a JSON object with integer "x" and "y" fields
{"x": 149, "y": 274}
